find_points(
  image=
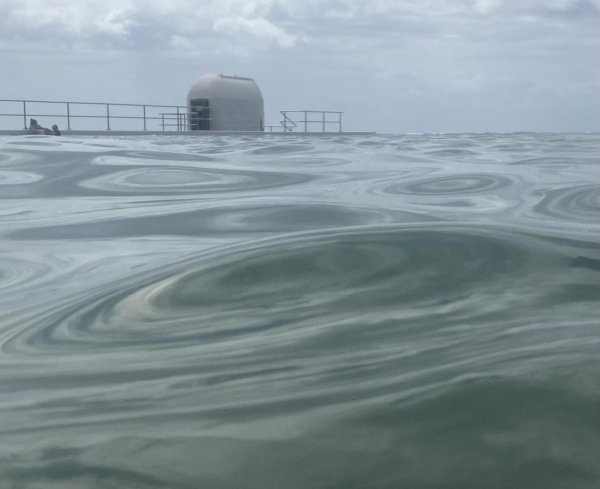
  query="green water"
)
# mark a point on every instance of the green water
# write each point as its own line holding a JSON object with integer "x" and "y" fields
{"x": 415, "y": 311}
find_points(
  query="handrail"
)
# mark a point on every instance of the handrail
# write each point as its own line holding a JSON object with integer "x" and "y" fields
{"x": 180, "y": 118}
{"x": 181, "y": 124}
{"x": 315, "y": 111}
{"x": 285, "y": 120}
{"x": 96, "y": 103}
{"x": 323, "y": 121}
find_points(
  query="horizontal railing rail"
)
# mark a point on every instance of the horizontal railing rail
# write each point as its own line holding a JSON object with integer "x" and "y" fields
{"x": 288, "y": 124}
{"x": 94, "y": 103}
{"x": 180, "y": 116}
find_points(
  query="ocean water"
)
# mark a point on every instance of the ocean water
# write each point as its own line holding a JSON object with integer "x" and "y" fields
{"x": 414, "y": 311}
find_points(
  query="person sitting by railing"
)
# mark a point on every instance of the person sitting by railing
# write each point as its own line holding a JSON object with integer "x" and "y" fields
{"x": 56, "y": 130}
{"x": 35, "y": 128}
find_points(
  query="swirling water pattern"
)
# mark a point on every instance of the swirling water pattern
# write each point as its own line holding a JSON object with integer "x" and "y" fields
{"x": 415, "y": 311}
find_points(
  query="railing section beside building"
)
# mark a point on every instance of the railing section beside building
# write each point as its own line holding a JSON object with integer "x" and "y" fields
{"x": 71, "y": 114}
{"x": 150, "y": 116}
{"x": 302, "y": 118}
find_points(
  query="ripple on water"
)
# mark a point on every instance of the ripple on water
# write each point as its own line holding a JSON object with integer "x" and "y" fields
{"x": 466, "y": 183}
{"x": 146, "y": 158}
{"x": 8, "y": 177}
{"x": 451, "y": 153}
{"x": 17, "y": 272}
{"x": 307, "y": 161}
{"x": 247, "y": 219}
{"x": 363, "y": 287}
{"x": 553, "y": 161}
{"x": 34, "y": 141}
{"x": 579, "y": 202}
{"x": 190, "y": 180}
{"x": 277, "y": 149}
{"x": 329, "y": 353}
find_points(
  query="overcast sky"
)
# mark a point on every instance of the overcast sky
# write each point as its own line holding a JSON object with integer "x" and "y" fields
{"x": 391, "y": 65}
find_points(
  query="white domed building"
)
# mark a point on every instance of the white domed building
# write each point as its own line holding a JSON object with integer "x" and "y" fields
{"x": 225, "y": 103}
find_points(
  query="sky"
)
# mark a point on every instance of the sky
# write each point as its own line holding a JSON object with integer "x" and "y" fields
{"x": 392, "y": 66}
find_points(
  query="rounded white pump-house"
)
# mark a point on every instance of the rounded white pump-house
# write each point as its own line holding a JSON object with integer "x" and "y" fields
{"x": 225, "y": 103}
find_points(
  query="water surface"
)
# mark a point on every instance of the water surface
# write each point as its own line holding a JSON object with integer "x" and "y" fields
{"x": 415, "y": 311}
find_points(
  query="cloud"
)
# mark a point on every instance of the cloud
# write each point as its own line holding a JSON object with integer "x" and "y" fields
{"x": 274, "y": 23}
{"x": 259, "y": 28}
{"x": 122, "y": 24}
{"x": 440, "y": 61}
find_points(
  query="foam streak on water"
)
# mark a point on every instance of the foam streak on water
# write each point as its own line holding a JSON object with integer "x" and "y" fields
{"x": 413, "y": 311}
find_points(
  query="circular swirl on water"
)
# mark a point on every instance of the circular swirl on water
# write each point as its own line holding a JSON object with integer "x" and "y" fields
{"x": 452, "y": 153}
{"x": 34, "y": 140}
{"x": 187, "y": 179}
{"x": 467, "y": 183}
{"x": 581, "y": 202}
{"x": 286, "y": 218}
{"x": 8, "y": 177}
{"x": 554, "y": 161}
{"x": 277, "y": 149}
{"x": 305, "y": 287}
{"x": 306, "y": 161}
{"x": 11, "y": 157}
{"x": 147, "y": 158}
{"x": 16, "y": 272}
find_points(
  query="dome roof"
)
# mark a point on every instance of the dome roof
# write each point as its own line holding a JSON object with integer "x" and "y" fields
{"x": 228, "y": 87}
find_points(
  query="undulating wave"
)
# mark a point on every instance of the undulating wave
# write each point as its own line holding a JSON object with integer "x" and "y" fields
{"x": 412, "y": 311}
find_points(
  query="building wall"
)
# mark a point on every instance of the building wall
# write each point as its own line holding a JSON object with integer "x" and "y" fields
{"x": 236, "y": 103}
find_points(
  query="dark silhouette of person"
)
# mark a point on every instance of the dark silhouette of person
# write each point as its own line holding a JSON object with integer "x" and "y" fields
{"x": 35, "y": 128}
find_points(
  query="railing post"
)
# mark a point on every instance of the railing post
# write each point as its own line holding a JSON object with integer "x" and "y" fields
{"x": 163, "y": 121}
{"x": 340, "y": 114}
{"x": 144, "y": 117}
{"x": 68, "y": 117}
{"x": 107, "y": 117}
{"x": 178, "y": 120}
{"x": 284, "y": 120}
{"x": 305, "y": 121}
{"x": 323, "y": 121}
{"x": 24, "y": 114}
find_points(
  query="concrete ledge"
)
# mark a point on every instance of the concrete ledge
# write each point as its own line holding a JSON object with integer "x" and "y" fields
{"x": 187, "y": 133}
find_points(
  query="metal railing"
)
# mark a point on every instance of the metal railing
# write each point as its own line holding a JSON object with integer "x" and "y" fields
{"x": 181, "y": 119}
{"x": 176, "y": 119}
{"x": 288, "y": 124}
